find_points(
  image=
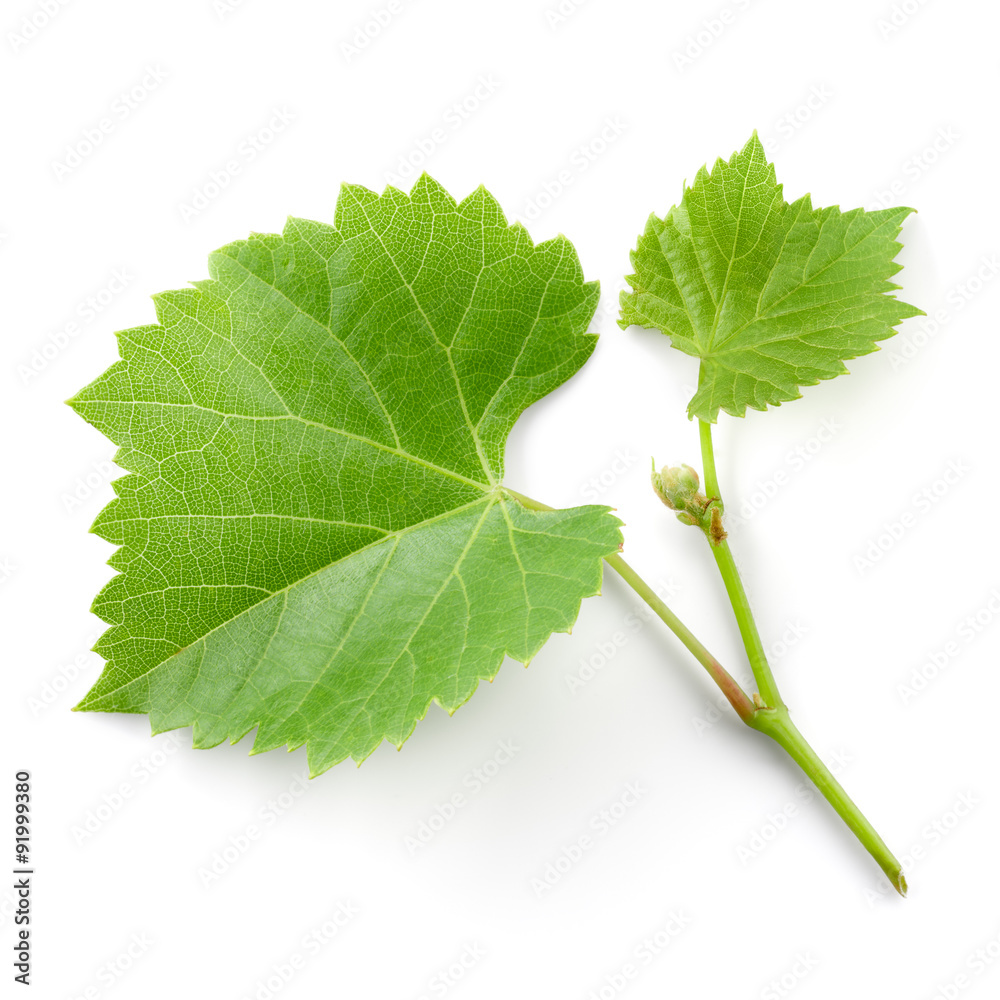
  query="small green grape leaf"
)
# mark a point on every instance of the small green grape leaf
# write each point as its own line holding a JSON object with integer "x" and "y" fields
{"x": 770, "y": 296}
{"x": 314, "y": 536}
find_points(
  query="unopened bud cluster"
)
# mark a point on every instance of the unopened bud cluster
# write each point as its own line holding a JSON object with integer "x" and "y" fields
{"x": 678, "y": 487}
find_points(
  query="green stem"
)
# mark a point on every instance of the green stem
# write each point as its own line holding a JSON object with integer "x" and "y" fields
{"x": 777, "y": 724}
{"x": 734, "y": 586}
{"x": 772, "y": 717}
{"x": 773, "y": 721}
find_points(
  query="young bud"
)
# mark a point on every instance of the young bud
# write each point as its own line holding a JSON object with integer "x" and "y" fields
{"x": 676, "y": 486}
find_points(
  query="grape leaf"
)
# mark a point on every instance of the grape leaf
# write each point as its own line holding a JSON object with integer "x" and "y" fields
{"x": 315, "y": 538}
{"x": 770, "y": 296}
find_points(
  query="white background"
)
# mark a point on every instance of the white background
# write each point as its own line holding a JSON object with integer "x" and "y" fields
{"x": 126, "y": 827}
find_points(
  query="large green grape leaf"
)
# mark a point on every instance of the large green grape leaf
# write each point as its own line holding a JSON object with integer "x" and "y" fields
{"x": 770, "y": 296}
{"x": 315, "y": 538}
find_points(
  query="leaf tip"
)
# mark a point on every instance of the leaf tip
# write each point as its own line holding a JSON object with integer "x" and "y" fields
{"x": 428, "y": 186}
{"x": 356, "y": 192}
